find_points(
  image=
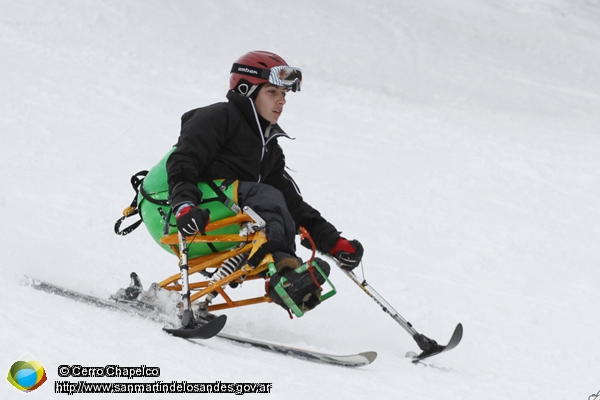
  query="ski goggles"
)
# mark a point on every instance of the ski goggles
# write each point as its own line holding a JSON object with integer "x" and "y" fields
{"x": 283, "y": 75}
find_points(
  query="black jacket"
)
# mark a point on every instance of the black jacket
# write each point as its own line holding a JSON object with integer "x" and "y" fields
{"x": 226, "y": 140}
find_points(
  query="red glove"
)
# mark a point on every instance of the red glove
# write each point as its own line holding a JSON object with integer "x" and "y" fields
{"x": 347, "y": 253}
{"x": 191, "y": 219}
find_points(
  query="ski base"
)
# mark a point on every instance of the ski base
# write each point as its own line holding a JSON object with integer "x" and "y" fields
{"x": 149, "y": 311}
{"x": 454, "y": 341}
{"x": 354, "y": 360}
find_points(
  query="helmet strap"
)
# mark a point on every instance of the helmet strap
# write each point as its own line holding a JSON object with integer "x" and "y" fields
{"x": 251, "y": 91}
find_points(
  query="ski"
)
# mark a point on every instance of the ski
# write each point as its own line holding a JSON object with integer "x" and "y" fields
{"x": 353, "y": 360}
{"x": 146, "y": 310}
{"x": 134, "y": 308}
{"x": 437, "y": 349}
{"x": 138, "y": 308}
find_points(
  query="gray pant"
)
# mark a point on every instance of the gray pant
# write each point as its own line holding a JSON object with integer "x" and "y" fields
{"x": 269, "y": 203}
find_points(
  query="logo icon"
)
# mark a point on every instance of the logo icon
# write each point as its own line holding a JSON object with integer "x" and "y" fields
{"x": 26, "y": 374}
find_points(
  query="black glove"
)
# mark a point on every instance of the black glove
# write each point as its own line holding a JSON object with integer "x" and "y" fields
{"x": 348, "y": 253}
{"x": 191, "y": 219}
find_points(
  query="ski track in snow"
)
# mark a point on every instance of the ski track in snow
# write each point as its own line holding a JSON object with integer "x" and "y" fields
{"x": 458, "y": 141}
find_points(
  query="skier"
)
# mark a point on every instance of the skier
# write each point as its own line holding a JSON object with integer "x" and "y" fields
{"x": 238, "y": 140}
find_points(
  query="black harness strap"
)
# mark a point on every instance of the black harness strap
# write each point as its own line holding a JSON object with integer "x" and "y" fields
{"x": 136, "y": 182}
{"x": 130, "y": 228}
{"x": 220, "y": 193}
{"x": 150, "y": 199}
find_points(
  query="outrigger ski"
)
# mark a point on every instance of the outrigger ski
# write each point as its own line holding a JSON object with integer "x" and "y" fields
{"x": 434, "y": 348}
{"x": 428, "y": 346}
{"x": 199, "y": 331}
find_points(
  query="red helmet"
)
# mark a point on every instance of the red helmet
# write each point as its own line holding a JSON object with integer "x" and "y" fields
{"x": 259, "y": 67}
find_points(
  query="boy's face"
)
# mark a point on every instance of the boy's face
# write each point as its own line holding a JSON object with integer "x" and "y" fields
{"x": 270, "y": 101}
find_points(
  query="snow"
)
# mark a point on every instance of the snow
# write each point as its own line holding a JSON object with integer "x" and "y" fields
{"x": 457, "y": 140}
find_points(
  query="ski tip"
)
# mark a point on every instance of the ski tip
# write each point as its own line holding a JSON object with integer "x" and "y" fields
{"x": 369, "y": 355}
{"x": 28, "y": 281}
{"x": 456, "y": 336}
{"x": 222, "y": 318}
{"x": 459, "y": 328}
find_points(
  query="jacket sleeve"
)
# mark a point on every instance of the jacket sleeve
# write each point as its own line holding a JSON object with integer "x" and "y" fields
{"x": 202, "y": 135}
{"x": 324, "y": 234}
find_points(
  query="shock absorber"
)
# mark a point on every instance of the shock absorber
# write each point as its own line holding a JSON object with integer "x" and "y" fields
{"x": 228, "y": 267}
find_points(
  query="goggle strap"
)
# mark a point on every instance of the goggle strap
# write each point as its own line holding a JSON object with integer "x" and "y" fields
{"x": 250, "y": 71}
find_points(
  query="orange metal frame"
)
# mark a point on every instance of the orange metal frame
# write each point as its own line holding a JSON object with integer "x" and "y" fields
{"x": 247, "y": 244}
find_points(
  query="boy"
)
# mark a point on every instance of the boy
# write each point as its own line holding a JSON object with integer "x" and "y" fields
{"x": 238, "y": 140}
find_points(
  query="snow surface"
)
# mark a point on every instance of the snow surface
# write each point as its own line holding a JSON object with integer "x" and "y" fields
{"x": 458, "y": 140}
